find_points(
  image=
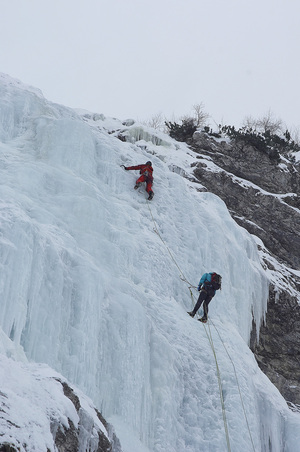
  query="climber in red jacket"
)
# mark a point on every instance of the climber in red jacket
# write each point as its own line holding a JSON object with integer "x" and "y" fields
{"x": 146, "y": 171}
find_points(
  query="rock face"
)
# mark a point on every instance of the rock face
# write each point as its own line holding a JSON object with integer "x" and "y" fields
{"x": 70, "y": 440}
{"x": 278, "y": 350}
{"x": 267, "y": 205}
{"x": 263, "y": 197}
{"x": 92, "y": 433}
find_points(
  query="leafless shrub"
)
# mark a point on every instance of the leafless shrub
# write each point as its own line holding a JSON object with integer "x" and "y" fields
{"x": 157, "y": 122}
{"x": 267, "y": 123}
{"x": 199, "y": 117}
{"x": 295, "y": 135}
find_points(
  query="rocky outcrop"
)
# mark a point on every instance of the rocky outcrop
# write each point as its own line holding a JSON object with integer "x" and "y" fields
{"x": 278, "y": 349}
{"x": 264, "y": 198}
{"x": 53, "y": 428}
{"x": 267, "y": 205}
{"x": 71, "y": 439}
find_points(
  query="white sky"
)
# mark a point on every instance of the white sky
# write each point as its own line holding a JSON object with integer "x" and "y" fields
{"x": 137, "y": 58}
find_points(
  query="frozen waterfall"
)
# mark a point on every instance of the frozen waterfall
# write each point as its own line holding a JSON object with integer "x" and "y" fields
{"x": 89, "y": 287}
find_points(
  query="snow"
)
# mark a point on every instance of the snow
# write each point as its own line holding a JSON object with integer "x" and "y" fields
{"x": 33, "y": 402}
{"x": 95, "y": 283}
{"x": 297, "y": 156}
{"x": 281, "y": 276}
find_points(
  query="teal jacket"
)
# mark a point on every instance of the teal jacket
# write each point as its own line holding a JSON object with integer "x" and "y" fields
{"x": 206, "y": 278}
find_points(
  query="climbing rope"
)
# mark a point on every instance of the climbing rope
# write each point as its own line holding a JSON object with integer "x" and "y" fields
{"x": 190, "y": 286}
{"x": 182, "y": 277}
{"x": 238, "y": 385}
{"x": 209, "y": 336}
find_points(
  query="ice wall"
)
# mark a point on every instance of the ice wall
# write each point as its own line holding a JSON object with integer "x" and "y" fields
{"x": 37, "y": 403}
{"x": 89, "y": 287}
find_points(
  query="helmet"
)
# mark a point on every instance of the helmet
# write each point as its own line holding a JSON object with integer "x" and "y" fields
{"x": 149, "y": 163}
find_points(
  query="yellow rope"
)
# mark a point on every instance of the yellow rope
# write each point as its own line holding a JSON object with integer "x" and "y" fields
{"x": 183, "y": 278}
{"x": 238, "y": 385}
{"x": 209, "y": 336}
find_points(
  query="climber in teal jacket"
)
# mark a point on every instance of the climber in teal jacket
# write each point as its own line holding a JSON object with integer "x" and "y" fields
{"x": 205, "y": 279}
{"x": 208, "y": 284}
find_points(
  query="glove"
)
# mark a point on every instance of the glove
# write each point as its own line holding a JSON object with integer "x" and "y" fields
{"x": 199, "y": 287}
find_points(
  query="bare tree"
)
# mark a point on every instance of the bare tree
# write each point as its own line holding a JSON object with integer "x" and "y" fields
{"x": 295, "y": 135}
{"x": 157, "y": 122}
{"x": 198, "y": 117}
{"x": 268, "y": 122}
{"x": 201, "y": 116}
{"x": 249, "y": 122}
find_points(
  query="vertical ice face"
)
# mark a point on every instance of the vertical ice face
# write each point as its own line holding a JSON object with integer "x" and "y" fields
{"x": 92, "y": 281}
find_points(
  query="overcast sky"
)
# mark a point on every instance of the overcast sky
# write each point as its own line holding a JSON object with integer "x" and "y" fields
{"x": 138, "y": 58}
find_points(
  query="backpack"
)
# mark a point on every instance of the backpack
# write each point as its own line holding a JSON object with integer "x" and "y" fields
{"x": 216, "y": 281}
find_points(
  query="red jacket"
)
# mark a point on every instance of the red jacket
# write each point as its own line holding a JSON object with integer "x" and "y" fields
{"x": 145, "y": 170}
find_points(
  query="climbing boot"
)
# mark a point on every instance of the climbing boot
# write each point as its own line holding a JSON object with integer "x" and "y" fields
{"x": 191, "y": 314}
{"x": 137, "y": 185}
{"x": 151, "y": 194}
{"x": 203, "y": 319}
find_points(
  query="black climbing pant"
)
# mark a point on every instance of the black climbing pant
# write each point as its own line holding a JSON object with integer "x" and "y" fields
{"x": 205, "y": 297}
